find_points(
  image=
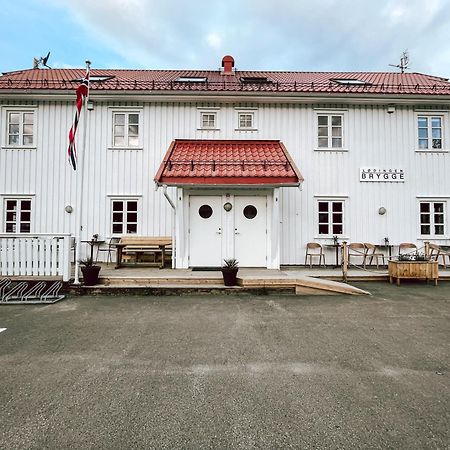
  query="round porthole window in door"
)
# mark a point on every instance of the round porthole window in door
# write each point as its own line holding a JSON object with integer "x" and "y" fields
{"x": 205, "y": 211}
{"x": 250, "y": 212}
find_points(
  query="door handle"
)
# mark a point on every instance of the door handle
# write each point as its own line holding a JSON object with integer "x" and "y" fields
{"x": 236, "y": 231}
{"x": 219, "y": 231}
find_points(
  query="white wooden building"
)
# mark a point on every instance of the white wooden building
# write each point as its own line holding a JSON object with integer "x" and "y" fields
{"x": 366, "y": 157}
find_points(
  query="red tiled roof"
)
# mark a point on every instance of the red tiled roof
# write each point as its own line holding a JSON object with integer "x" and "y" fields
{"x": 228, "y": 162}
{"x": 165, "y": 80}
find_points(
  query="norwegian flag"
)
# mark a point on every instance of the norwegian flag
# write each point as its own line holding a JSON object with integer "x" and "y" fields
{"x": 82, "y": 93}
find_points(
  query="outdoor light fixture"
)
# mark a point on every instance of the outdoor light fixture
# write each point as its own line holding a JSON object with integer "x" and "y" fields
{"x": 90, "y": 105}
{"x": 68, "y": 209}
{"x": 391, "y": 109}
{"x": 227, "y": 206}
{"x": 381, "y": 210}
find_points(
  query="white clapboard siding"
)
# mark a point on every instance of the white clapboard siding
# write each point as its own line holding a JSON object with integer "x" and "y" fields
{"x": 374, "y": 138}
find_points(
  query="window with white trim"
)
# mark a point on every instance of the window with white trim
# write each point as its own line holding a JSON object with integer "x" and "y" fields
{"x": 17, "y": 216}
{"x": 20, "y": 128}
{"x": 430, "y": 134}
{"x": 330, "y": 217}
{"x": 330, "y": 131}
{"x": 126, "y": 129}
{"x": 124, "y": 216}
{"x": 432, "y": 218}
{"x": 246, "y": 120}
{"x": 208, "y": 120}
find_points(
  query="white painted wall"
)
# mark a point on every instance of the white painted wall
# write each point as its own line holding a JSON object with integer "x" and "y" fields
{"x": 374, "y": 138}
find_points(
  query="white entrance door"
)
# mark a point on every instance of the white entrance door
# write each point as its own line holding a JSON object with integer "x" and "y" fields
{"x": 205, "y": 231}
{"x": 250, "y": 231}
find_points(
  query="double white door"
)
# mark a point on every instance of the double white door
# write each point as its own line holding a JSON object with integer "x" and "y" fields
{"x": 227, "y": 227}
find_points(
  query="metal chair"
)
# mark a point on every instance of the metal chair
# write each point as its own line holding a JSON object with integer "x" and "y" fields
{"x": 314, "y": 250}
{"x": 436, "y": 251}
{"x": 357, "y": 250}
{"x": 371, "y": 252}
{"x": 407, "y": 247}
{"x": 110, "y": 248}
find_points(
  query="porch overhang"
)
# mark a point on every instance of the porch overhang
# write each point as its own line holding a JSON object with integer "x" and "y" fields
{"x": 237, "y": 163}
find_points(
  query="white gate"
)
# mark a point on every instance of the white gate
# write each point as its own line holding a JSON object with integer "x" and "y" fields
{"x": 35, "y": 255}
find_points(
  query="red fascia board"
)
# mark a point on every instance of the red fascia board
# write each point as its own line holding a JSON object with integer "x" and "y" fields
{"x": 230, "y": 181}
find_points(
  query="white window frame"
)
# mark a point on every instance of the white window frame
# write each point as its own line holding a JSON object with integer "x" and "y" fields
{"x": 246, "y": 111}
{"x": 125, "y": 222}
{"x": 445, "y": 140}
{"x": 343, "y": 126}
{"x": 432, "y": 223}
{"x": 330, "y": 223}
{"x": 208, "y": 111}
{"x": 22, "y": 110}
{"x": 127, "y": 112}
{"x": 18, "y": 221}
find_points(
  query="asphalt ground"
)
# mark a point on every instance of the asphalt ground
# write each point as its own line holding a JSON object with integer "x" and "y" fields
{"x": 231, "y": 372}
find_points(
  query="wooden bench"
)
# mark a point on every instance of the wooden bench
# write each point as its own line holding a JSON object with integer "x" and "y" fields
{"x": 137, "y": 247}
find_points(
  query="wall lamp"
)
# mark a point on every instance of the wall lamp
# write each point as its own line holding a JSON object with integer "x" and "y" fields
{"x": 90, "y": 105}
{"x": 391, "y": 109}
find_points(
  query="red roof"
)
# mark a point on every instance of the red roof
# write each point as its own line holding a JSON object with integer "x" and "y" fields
{"x": 228, "y": 162}
{"x": 153, "y": 81}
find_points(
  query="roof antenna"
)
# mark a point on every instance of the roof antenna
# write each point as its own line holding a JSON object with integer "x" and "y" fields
{"x": 41, "y": 62}
{"x": 404, "y": 61}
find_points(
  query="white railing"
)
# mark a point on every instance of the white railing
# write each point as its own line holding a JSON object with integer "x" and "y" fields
{"x": 42, "y": 254}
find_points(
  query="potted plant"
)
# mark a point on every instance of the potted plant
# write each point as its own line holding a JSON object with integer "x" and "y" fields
{"x": 229, "y": 272}
{"x": 90, "y": 271}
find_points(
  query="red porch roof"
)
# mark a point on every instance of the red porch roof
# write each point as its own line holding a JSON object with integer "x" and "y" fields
{"x": 228, "y": 162}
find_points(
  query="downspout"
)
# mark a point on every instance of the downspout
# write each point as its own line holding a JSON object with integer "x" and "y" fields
{"x": 171, "y": 203}
{"x": 168, "y": 198}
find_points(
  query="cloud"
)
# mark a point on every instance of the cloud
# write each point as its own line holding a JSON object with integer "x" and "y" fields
{"x": 263, "y": 34}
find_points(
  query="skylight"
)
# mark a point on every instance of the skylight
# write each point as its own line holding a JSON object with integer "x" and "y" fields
{"x": 349, "y": 81}
{"x": 95, "y": 78}
{"x": 255, "y": 80}
{"x": 192, "y": 79}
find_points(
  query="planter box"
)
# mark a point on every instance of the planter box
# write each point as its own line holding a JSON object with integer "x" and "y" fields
{"x": 422, "y": 270}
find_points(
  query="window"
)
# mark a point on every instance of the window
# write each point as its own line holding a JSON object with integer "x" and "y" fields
{"x": 432, "y": 218}
{"x": 245, "y": 120}
{"x": 331, "y": 217}
{"x": 124, "y": 216}
{"x": 330, "y": 131}
{"x": 126, "y": 129}
{"x": 20, "y": 128}
{"x": 430, "y": 132}
{"x": 192, "y": 79}
{"x": 17, "y": 215}
{"x": 208, "y": 120}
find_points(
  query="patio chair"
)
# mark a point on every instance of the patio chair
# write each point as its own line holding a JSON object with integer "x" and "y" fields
{"x": 407, "y": 248}
{"x": 436, "y": 251}
{"x": 357, "y": 250}
{"x": 314, "y": 250}
{"x": 109, "y": 248}
{"x": 371, "y": 252}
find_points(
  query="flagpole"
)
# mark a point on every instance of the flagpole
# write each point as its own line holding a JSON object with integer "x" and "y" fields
{"x": 80, "y": 186}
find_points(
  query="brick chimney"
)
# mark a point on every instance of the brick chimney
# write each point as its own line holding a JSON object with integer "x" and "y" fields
{"x": 227, "y": 64}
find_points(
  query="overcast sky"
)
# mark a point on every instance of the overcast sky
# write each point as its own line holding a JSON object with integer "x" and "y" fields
{"x": 300, "y": 35}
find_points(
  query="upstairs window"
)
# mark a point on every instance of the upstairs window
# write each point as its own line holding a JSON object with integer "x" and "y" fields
{"x": 430, "y": 132}
{"x": 17, "y": 215}
{"x": 124, "y": 216}
{"x": 20, "y": 129}
{"x": 432, "y": 218}
{"x": 208, "y": 120}
{"x": 126, "y": 129}
{"x": 330, "y": 131}
{"x": 331, "y": 217}
{"x": 245, "y": 120}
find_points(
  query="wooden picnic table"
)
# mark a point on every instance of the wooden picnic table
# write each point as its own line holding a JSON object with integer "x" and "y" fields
{"x": 142, "y": 245}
